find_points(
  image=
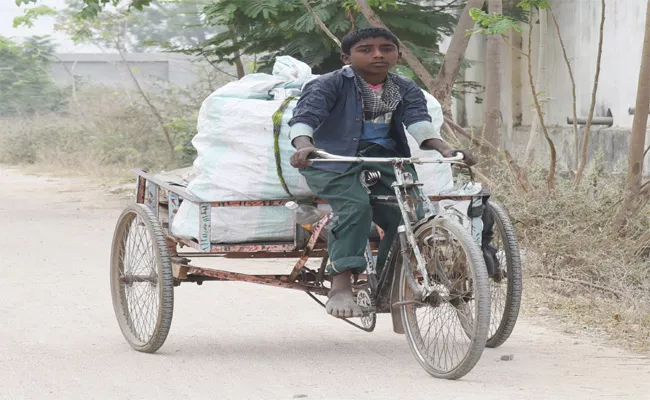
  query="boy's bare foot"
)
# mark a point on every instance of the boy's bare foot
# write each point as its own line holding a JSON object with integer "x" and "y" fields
{"x": 341, "y": 302}
{"x": 343, "y": 305}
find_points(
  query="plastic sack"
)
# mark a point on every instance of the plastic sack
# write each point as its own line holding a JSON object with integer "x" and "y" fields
{"x": 236, "y": 159}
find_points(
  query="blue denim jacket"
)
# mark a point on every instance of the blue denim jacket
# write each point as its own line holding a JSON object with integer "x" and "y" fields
{"x": 330, "y": 112}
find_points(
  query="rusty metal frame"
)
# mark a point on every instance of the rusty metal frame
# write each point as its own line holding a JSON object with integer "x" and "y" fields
{"x": 159, "y": 195}
{"x": 190, "y": 272}
{"x": 149, "y": 190}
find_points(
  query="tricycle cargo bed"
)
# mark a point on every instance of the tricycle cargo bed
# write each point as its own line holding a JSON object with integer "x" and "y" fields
{"x": 165, "y": 193}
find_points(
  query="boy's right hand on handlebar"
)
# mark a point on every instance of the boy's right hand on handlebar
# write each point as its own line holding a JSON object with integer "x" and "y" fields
{"x": 468, "y": 158}
{"x": 299, "y": 159}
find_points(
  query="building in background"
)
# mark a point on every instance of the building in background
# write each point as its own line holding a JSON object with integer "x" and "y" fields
{"x": 579, "y": 23}
{"x": 91, "y": 63}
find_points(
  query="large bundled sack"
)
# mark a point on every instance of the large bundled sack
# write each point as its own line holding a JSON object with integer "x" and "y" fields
{"x": 238, "y": 144}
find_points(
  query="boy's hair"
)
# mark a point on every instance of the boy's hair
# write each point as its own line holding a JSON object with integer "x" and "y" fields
{"x": 355, "y": 37}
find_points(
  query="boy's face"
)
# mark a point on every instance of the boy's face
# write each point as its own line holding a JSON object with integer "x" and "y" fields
{"x": 373, "y": 56}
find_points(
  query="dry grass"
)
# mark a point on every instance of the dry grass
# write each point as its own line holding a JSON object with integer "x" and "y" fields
{"x": 574, "y": 262}
{"x": 104, "y": 133}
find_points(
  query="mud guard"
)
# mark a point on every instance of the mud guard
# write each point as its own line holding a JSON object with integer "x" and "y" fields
{"x": 396, "y": 312}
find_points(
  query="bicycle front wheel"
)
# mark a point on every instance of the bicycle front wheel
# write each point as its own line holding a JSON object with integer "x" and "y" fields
{"x": 448, "y": 329}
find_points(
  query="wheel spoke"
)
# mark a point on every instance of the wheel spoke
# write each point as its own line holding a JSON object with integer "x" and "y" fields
{"x": 139, "y": 253}
{"x": 444, "y": 326}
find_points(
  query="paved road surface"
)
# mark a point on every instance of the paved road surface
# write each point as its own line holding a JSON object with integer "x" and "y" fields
{"x": 59, "y": 338}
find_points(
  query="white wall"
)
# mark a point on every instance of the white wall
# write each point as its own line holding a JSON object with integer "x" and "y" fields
{"x": 579, "y": 22}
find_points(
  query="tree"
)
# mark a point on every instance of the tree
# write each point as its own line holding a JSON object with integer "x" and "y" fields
{"x": 493, "y": 81}
{"x": 587, "y": 132}
{"x": 162, "y": 25}
{"x": 634, "y": 200}
{"x": 111, "y": 30}
{"x": 540, "y": 80}
{"x": 91, "y": 8}
{"x": 444, "y": 80}
{"x": 491, "y": 24}
{"x": 169, "y": 24}
{"x": 273, "y": 27}
{"x": 26, "y": 86}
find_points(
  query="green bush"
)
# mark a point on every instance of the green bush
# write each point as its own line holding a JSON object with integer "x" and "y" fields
{"x": 26, "y": 87}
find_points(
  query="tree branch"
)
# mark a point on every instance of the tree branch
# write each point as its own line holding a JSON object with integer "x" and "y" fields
{"x": 320, "y": 23}
{"x": 615, "y": 292}
{"x": 408, "y": 56}
{"x": 587, "y": 132}
{"x": 153, "y": 108}
{"x": 237, "y": 55}
{"x": 576, "y": 133}
{"x": 550, "y": 179}
{"x": 214, "y": 65}
{"x": 517, "y": 173}
{"x": 444, "y": 80}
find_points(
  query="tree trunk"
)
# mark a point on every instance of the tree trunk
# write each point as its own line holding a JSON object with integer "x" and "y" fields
{"x": 154, "y": 110}
{"x": 536, "y": 129}
{"x": 637, "y": 138}
{"x": 450, "y": 67}
{"x": 239, "y": 65}
{"x": 409, "y": 57}
{"x": 587, "y": 132}
{"x": 576, "y": 132}
{"x": 320, "y": 23}
{"x": 493, "y": 82}
{"x": 550, "y": 179}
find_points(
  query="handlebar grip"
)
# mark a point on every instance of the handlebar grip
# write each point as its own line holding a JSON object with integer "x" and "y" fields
{"x": 317, "y": 154}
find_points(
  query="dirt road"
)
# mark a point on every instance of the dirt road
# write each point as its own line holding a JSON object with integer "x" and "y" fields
{"x": 59, "y": 338}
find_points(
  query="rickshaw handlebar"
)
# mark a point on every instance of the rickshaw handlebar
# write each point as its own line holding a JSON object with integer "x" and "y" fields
{"x": 322, "y": 156}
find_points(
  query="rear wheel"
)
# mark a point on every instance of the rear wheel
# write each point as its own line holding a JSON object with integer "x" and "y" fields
{"x": 446, "y": 331}
{"x": 142, "y": 283}
{"x": 506, "y": 284}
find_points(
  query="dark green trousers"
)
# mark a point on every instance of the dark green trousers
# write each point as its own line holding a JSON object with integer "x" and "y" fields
{"x": 351, "y": 203}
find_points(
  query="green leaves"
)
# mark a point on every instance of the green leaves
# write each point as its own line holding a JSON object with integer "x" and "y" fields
{"x": 492, "y": 24}
{"x": 93, "y": 7}
{"x": 267, "y": 28}
{"x": 497, "y": 24}
{"x": 528, "y": 5}
{"x": 267, "y": 8}
{"x": 32, "y": 14}
{"x": 25, "y": 83}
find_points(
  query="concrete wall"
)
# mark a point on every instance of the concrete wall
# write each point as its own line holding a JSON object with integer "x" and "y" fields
{"x": 608, "y": 144}
{"x": 151, "y": 69}
{"x": 579, "y": 23}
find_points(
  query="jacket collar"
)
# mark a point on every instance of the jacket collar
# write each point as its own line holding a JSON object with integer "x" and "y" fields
{"x": 347, "y": 71}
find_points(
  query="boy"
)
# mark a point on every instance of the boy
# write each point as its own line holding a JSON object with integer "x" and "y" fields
{"x": 362, "y": 110}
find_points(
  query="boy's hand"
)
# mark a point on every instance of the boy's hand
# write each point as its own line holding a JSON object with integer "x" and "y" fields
{"x": 446, "y": 150}
{"x": 304, "y": 147}
{"x": 468, "y": 157}
{"x": 299, "y": 158}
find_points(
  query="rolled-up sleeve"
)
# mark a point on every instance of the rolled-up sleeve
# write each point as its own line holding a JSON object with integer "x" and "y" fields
{"x": 300, "y": 129}
{"x": 423, "y": 131}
